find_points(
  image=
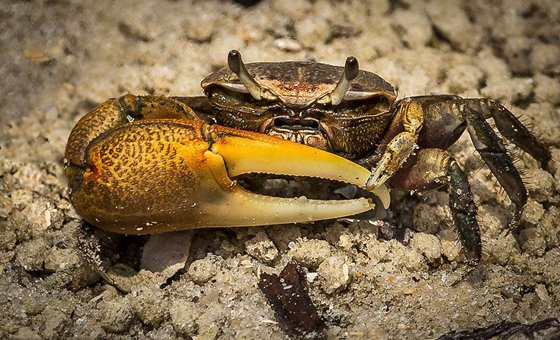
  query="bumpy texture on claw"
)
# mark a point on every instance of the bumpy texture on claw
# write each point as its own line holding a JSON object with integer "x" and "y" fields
{"x": 159, "y": 175}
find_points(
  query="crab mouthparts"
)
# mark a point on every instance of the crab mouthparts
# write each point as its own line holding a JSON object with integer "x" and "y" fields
{"x": 303, "y": 131}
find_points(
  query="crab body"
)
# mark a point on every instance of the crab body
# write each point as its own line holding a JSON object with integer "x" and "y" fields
{"x": 155, "y": 164}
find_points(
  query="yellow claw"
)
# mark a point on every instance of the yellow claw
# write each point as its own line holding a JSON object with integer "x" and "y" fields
{"x": 153, "y": 176}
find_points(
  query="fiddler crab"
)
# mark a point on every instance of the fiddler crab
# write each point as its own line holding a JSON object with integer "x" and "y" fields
{"x": 148, "y": 164}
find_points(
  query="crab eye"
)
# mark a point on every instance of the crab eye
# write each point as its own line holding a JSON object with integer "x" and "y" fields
{"x": 237, "y": 66}
{"x": 351, "y": 71}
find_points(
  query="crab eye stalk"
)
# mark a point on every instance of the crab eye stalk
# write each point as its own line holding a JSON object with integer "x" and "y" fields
{"x": 351, "y": 70}
{"x": 237, "y": 66}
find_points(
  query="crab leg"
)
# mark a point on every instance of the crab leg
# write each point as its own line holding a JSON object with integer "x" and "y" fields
{"x": 164, "y": 175}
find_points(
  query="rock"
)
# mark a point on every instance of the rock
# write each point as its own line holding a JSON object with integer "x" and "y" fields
{"x": 427, "y": 245}
{"x": 184, "y": 314}
{"x": 55, "y": 322}
{"x": 544, "y": 57}
{"x": 26, "y": 333}
{"x": 539, "y": 183}
{"x": 516, "y": 50}
{"x": 532, "y": 212}
{"x": 310, "y": 253}
{"x": 8, "y": 237}
{"x": 428, "y": 218}
{"x": 413, "y": 27}
{"x": 6, "y": 206}
{"x": 453, "y": 23}
{"x": 451, "y": 249}
{"x": 532, "y": 241}
{"x": 549, "y": 226}
{"x": 262, "y": 248}
{"x": 547, "y": 89}
{"x": 500, "y": 250}
{"x": 167, "y": 252}
{"x": 511, "y": 90}
{"x": 464, "y": 77}
{"x": 200, "y": 271}
{"x": 31, "y": 254}
{"x": 68, "y": 262}
{"x": 117, "y": 315}
{"x": 495, "y": 69}
{"x": 334, "y": 274}
{"x": 295, "y": 10}
{"x": 150, "y": 305}
{"x": 312, "y": 30}
{"x": 200, "y": 28}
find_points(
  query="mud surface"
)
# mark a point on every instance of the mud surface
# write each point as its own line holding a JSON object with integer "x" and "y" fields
{"x": 403, "y": 278}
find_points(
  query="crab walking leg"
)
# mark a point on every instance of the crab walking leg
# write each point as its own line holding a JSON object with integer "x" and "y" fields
{"x": 494, "y": 154}
{"x": 511, "y": 128}
{"x": 163, "y": 175}
{"x": 401, "y": 146}
{"x": 446, "y": 117}
{"x": 434, "y": 168}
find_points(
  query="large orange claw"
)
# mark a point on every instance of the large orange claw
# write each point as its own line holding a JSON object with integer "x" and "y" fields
{"x": 152, "y": 176}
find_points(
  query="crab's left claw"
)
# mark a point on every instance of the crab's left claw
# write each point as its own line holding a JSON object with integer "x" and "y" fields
{"x": 163, "y": 175}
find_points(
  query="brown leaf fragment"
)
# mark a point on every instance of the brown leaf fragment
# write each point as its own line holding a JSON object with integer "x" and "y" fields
{"x": 288, "y": 295}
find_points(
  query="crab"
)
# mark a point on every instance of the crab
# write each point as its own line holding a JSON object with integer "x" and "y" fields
{"x": 147, "y": 164}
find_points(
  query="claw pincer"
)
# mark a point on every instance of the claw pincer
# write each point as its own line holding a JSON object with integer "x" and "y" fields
{"x": 142, "y": 165}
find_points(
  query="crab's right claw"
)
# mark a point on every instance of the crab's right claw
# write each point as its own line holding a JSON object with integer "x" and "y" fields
{"x": 157, "y": 176}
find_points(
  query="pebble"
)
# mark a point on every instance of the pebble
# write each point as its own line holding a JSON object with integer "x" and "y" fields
{"x": 454, "y": 25}
{"x": 31, "y": 254}
{"x": 511, "y": 90}
{"x": 334, "y": 274}
{"x": 184, "y": 314}
{"x": 532, "y": 241}
{"x": 311, "y": 30}
{"x": 533, "y": 212}
{"x": 150, "y": 305}
{"x": 547, "y": 89}
{"x": 201, "y": 271}
{"x": 262, "y": 248}
{"x": 116, "y": 315}
{"x": 516, "y": 51}
{"x": 549, "y": 226}
{"x": 295, "y": 10}
{"x": 544, "y": 57}
{"x": 427, "y": 245}
{"x": 310, "y": 253}
{"x": 464, "y": 77}
{"x": 539, "y": 183}
{"x": 414, "y": 27}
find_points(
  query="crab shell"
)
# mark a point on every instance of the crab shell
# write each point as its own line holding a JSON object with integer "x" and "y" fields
{"x": 300, "y": 84}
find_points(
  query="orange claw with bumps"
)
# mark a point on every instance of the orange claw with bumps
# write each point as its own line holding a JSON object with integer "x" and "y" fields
{"x": 144, "y": 165}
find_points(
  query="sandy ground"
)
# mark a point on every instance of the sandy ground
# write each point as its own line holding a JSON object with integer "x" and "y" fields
{"x": 61, "y": 58}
